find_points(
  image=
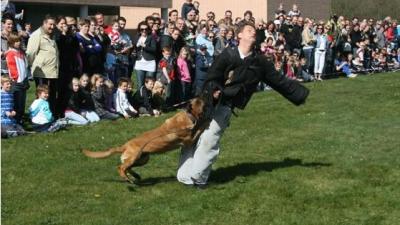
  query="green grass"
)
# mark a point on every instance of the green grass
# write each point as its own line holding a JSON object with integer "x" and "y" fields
{"x": 334, "y": 160}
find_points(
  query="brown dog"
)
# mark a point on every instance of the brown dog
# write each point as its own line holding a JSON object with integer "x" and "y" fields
{"x": 182, "y": 129}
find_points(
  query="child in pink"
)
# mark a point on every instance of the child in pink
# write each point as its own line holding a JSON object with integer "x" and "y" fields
{"x": 184, "y": 73}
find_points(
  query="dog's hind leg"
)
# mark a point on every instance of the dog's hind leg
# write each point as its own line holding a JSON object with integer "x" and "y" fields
{"x": 128, "y": 159}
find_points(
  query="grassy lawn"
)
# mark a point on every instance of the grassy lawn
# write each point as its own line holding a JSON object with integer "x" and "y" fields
{"x": 333, "y": 161}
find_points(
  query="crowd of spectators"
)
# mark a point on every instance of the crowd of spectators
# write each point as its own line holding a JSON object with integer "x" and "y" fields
{"x": 82, "y": 68}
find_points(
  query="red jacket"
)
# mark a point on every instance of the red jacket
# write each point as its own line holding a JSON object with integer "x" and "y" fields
{"x": 17, "y": 65}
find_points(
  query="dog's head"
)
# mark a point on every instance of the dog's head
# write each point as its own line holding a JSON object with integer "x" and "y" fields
{"x": 197, "y": 108}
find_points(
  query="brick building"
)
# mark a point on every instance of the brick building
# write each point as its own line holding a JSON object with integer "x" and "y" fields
{"x": 136, "y": 10}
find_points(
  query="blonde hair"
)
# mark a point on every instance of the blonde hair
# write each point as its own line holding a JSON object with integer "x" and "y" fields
{"x": 158, "y": 88}
{"x": 5, "y": 79}
{"x": 94, "y": 79}
{"x": 185, "y": 48}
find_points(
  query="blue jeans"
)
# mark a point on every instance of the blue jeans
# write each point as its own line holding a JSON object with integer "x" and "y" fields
{"x": 308, "y": 55}
{"x": 75, "y": 118}
{"x": 92, "y": 116}
{"x": 141, "y": 75}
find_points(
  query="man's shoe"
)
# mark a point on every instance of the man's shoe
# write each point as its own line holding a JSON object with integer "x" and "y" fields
{"x": 198, "y": 185}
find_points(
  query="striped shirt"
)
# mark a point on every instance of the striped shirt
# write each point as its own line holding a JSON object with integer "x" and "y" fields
{"x": 7, "y": 105}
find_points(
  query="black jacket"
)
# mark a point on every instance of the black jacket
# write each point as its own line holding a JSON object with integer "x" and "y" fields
{"x": 239, "y": 85}
{"x": 149, "y": 51}
{"x": 76, "y": 101}
{"x": 143, "y": 98}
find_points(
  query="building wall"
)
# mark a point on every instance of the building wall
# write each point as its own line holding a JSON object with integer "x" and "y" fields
{"x": 318, "y": 9}
{"x": 259, "y": 8}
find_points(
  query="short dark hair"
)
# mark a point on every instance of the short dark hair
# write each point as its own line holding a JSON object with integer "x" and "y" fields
{"x": 122, "y": 80}
{"x": 242, "y": 25}
{"x": 5, "y": 17}
{"x": 48, "y": 17}
{"x": 122, "y": 18}
{"x": 141, "y": 24}
{"x": 59, "y": 18}
{"x": 172, "y": 11}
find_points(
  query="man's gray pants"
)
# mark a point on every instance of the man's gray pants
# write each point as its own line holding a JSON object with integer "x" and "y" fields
{"x": 196, "y": 161}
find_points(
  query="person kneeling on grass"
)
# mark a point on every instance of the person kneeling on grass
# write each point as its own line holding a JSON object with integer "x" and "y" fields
{"x": 122, "y": 105}
{"x": 9, "y": 126}
{"x": 76, "y": 112}
{"x": 41, "y": 116}
{"x": 143, "y": 99}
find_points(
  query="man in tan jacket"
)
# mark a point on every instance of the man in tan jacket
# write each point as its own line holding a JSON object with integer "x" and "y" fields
{"x": 42, "y": 54}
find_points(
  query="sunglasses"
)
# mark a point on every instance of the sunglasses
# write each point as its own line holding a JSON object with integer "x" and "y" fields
{"x": 210, "y": 36}
{"x": 143, "y": 29}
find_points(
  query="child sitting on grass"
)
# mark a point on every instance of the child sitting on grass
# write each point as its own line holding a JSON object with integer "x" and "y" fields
{"x": 144, "y": 99}
{"x": 99, "y": 98}
{"x": 9, "y": 126}
{"x": 41, "y": 116}
{"x": 75, "y": 111}
{"x": 122, "y": 104}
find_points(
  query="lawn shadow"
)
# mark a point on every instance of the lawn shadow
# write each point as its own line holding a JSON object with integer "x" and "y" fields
{"x": 226, "y": 174}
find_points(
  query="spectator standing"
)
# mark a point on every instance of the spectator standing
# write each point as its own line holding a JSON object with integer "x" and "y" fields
{"x": 221, "y": 42}
{"x": 295, "y": 11}
{"x": 90, "y": 49}
{"x": 7, "y": 24}
{"x": 308, "y": 42}
{"x": 320, "y": 51}
{"x": 68, "y": 46}
{"x": 146, "y": 49}
{"x": 43, "y": 57}
{"x": 18, "y": 72}
{"x": 184, "y": 67}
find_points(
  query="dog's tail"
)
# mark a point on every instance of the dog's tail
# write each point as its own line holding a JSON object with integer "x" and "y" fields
{"x": 103, "y": 154}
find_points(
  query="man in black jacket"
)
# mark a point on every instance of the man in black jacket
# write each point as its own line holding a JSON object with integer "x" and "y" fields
{"x": 232, "y": 80}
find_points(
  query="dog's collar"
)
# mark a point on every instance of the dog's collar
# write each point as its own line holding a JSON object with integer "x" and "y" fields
{"x": 192, "y": 118}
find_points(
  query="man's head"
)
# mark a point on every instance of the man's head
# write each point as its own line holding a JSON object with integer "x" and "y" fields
{"x": 228, "y": 14}
{"x": 173, "y": 15}
{"x": 175, "y": 34}
{"x": 191, "y": 16}
{"x": 180, "y": 24}
{"x": 246, "y": 33}
{"x": 99, "y": 19}
{"x": 149, "y": 83}
{"x": 7, "y": 24}
{"x": 121, "y": 23}
{"x": 49, "y": 24}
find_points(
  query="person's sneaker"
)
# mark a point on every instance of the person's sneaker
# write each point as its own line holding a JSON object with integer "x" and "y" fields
{"x": 352, "y": 75}
{"x": 198, "y": 185}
